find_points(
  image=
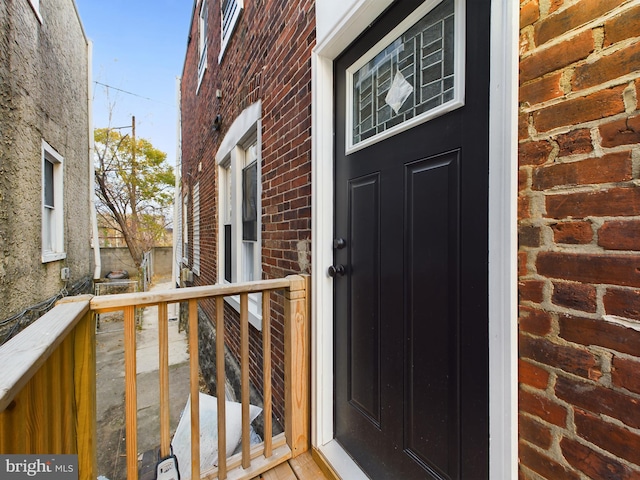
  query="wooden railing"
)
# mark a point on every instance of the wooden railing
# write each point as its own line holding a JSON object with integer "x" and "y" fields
{"x": 69, "y": 328}
{"x": 48, "y": 387}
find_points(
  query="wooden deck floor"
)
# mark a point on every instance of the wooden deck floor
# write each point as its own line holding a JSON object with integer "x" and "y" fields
{"x": 300, "y": 468}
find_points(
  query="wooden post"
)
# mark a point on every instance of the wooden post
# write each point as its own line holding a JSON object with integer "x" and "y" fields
{"x": 297, "y": 360}
{"x": 85, "y": 396}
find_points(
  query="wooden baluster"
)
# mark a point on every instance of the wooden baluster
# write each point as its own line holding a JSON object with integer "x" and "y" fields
{"x": 131, "y": 391}
{"x": 244, "y": 363}
{"x": 195, "y": 390}
{"x": 266, "y": 380}
{"x": 163, "y": 368}
{"x": 297, "y": 360}
{"x": 220, "y": 390}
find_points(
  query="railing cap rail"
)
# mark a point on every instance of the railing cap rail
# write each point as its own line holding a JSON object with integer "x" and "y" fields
{"x": 142, "y": 299}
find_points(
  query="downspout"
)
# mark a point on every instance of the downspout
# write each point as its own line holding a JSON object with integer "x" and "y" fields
{"x": 92, "y": 193}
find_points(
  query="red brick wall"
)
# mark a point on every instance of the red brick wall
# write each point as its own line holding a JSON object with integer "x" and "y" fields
{"x": 268, "y": 59}
{"x": 579, "y": 233}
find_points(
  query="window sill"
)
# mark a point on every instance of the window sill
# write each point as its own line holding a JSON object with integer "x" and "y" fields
{"x": 36, "y": 11}
{"x": 53, "y": 257}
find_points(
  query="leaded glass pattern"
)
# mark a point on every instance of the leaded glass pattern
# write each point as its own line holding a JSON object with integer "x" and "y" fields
{"x": 412, "y": 75}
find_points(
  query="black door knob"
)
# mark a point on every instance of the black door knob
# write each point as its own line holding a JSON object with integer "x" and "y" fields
{"x": 339, "y": 243}
{"x": 337, "y": 270}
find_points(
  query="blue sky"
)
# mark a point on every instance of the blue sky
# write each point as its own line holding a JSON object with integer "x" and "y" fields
{"x": 138, "y": 47}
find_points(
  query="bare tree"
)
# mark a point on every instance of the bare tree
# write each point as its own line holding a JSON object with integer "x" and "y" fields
{"x": 134, "y": 188}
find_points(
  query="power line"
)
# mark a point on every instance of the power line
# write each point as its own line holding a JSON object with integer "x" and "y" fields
{"x": 131, "y": 93}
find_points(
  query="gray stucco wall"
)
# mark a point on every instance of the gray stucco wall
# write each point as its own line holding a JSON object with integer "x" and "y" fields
{"x": 43, "y": 96}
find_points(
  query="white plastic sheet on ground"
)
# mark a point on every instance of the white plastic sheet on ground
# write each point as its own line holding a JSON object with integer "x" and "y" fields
{"x": 181, "y": 442}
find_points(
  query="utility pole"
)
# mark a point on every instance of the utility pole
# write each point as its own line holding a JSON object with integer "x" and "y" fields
{"x": 134, "y": 183}
{"x": 133, "y": 134}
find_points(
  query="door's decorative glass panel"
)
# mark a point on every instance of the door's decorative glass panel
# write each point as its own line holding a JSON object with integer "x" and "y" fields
{"x": 398, "y": 93}
{"x": 409, "y": 77}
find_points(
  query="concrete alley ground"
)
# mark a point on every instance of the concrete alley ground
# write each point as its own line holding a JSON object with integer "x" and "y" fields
{"x": 110, "y": 389}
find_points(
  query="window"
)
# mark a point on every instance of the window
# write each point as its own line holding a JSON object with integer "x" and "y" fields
{"x": 202, "y": 40}
{"x": 250, "y": 213}
{"x": 231, "y": 10}
{"x": 179, "y": 226}
{"x": 239, "y": 256}
{"x": 52, "y": 205}
{"x": 35, "y": 6}
{"x": 185, "y": 230}
{"x": 226, "y": 215}
{"x": 239, "y": 213}
{"x": 412, "y": 75}
{"x": 196, "y": 228}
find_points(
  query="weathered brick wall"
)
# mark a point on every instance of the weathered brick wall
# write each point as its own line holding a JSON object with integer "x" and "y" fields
{"x": 268, "y": 59}
{"x": 579, "y": 232}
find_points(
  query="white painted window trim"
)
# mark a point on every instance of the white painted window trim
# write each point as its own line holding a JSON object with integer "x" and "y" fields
{"x": 185, "y": 229}
{"x": 177, "y": 220}
{"x": 224, "y": 39}
{"x": 57, "y": 251}
{"x": 203, "y": 22}
{"x": 459, "y": 68}
{"x": 35, "y": 6}
{"x": 230, "y": 160}
{"x": 195, "y": 196}
{"x": 503, "y": 406}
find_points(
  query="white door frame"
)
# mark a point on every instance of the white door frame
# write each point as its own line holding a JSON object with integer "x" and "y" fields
{"x": 503, "y": 364}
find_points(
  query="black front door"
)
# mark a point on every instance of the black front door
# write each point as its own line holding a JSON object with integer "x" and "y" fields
{"x": 410, "y": 265}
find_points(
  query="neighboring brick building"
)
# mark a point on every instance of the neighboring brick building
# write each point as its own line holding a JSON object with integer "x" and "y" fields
{"x": 45, "y": 179}
{"x": 579, "y": 253}
{"x": 259, "y": 86}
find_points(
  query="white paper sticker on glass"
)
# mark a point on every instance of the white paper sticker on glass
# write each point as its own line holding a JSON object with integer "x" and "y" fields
{"x": 412, "y": 75}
